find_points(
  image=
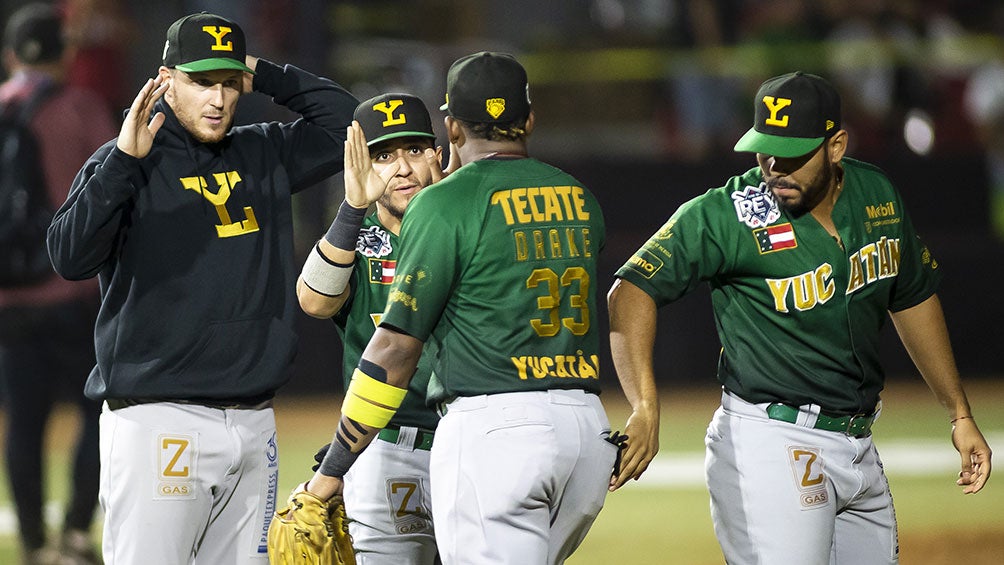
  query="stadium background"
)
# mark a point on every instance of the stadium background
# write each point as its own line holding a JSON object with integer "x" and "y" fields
{"x": 642, "y": 101}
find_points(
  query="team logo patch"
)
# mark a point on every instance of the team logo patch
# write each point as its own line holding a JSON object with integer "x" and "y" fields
{"x": 775, "y": 238}
{"x": 755, "y": 206}
{"x": 495, "y": 107}
{"x": 382, "y": 271}
{"x": 406, "y": 497}
{"x": 810, "y": 477}
{"x": 176, "y": 461}
{"x": 374, "y": 241}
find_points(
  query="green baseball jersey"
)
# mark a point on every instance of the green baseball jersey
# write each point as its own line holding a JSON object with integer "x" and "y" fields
{"x": 499, "y": 270}
{"x": 797, "y": 314}
{"x": 377, "y": 251}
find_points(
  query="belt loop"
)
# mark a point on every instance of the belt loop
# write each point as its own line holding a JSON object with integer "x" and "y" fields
{"x": 406, "y": 437}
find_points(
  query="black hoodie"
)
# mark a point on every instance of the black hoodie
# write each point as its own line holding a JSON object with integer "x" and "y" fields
{"x": 198, "y": 289}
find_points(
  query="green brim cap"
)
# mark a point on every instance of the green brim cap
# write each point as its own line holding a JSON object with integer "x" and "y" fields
{"x": 205, "y": 42}
{"x": 793, "y": 114}
{"x": 213, "y": 65}
{"x": 393, "y": 115}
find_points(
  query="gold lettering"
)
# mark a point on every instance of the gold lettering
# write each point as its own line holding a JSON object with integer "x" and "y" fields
{"x": 856, "y": 276}
{"x": 779, "y": 288}
{"x": 225, "y": 182}
{"x": 520, "y": 363}
{"x": 868, "y": 258}
{"x": 218, "y": 33}
{"x": 531, "y": 197}
{"x": 894, "y": 255}
{"x": 538, "y": 244}
{"x": 804, "y": 292}
{"x": 552, "y": 207}
{"x": 580, "y": 203}
{"x": 587, "y": 252}
{"x": 522, "y": 251}
{"x": 519, "y": 205}
{"x": 774, "y": 105}
{"x": 573, "y": 250}
{"x": 884, "y": 264}
{"x": 564, "y": 192}
{"x": 555, "y": 238}
{"x": 502, "y": 197}
{"x": 169, "y": 470}
{"x": 825, "y": 288}
{"x": 388, "y": 108}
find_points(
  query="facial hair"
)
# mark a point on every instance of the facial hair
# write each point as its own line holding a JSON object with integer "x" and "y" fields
{"x": 190, "y": 123}
{"x": 812, "y": 193}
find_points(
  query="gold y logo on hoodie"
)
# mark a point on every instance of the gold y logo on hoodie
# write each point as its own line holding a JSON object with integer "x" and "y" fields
{"x": 225, "y": 182}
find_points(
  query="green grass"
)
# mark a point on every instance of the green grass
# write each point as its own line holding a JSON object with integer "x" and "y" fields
{"x": 643, "y": 525}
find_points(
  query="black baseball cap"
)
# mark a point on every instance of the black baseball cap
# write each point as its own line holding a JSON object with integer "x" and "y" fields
{"x": 487, "y": 87}
{"x": 35, "y": 34}
{"x": 205, "y": 42}
{"x": 794, "y": 113}
{"x": 393, "y": 115}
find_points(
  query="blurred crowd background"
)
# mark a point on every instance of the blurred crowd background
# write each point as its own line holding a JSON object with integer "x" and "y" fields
{"x": 643, "y": 100}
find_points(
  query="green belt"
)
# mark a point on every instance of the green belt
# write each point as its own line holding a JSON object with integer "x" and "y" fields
{"x": 423, "y": 439}
{"x": 859, "y": 425}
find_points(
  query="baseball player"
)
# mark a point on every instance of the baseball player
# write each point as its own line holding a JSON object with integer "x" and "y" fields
{"x": 387, "y": 490}
{"x": 805, "y": 256}
{"x": 497, "y": 270}
{"x": 187, "y": 223}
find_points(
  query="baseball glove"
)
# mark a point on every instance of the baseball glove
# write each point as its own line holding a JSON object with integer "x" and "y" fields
{"x": 310, "y": 531}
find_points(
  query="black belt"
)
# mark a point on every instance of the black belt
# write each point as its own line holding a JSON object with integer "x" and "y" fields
{"x": 423, "y": 439}
{"x": 238, "y": 404}
{"x": 858, "y": 425}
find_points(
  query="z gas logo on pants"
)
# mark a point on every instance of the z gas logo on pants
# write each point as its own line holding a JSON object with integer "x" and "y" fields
{"x": 177, "y": 456}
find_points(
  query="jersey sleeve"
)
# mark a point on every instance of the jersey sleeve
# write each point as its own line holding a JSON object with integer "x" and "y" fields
{"x": 687, "y": 249}
{"x": 919, "y": 272}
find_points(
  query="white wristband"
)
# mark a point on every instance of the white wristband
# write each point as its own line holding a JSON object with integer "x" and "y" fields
{"x": 324, "y": 276}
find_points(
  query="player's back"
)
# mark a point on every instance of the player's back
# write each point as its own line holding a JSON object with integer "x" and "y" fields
{"x": 519, "y": 240}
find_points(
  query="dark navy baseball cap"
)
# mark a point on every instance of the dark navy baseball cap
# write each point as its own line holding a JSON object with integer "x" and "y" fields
{"x": 487, "y": 87}
{"x": 393, "y": 115}
{"x": 794, "y": 113}
{"x": 205, "y": 42}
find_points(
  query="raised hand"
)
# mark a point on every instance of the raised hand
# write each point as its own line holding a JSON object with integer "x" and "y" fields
{"x": 138, "y": 129}
{"x": 363, "y": 185}
{"x": 435, "y": 160}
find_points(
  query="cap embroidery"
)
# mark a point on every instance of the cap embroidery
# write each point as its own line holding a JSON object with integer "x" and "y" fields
{"x": 388, "y": 108}
{"x": 774, "y": 105}
{"x": 495, "y": 107}
{"x": 219, "y": 32}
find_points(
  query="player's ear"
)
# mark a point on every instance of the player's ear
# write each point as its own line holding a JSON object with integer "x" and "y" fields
{"x": 838, "y": 146}
{"x": 531, "y": 120}
{"x": 454, "y": 131}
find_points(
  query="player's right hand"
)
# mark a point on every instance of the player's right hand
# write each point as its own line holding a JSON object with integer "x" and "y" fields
{"x": 363, "y": 185}
{"x": 138, "y": 129}
{"x": 976, "y": 455}
{"x": 642, "y": 430}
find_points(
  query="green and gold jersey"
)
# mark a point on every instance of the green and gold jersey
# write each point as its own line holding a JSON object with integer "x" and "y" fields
{"x": 797, "y": 314}
{"x": 377, "y": 251}
{"x": 499, "y": 271}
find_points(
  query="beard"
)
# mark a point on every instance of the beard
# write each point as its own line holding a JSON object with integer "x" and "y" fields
{"x": 811, "y": 194}
{"x": 388, "y": 204}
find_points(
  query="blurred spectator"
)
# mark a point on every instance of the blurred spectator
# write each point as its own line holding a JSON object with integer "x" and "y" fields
{"x": 98, "y": 34}
{"x": 45, "y": 330}
{"x": 984, "y": 105}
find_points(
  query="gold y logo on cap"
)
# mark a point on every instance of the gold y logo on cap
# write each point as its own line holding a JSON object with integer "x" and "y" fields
{"x": 774, "y": 105}
{"x": 495, "y": 107}
{"x": 219, "y": 32}
{"x": 388, "y": 108}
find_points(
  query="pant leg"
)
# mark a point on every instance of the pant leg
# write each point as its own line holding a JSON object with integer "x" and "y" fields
{"x": 244, "y": 493}
{"x": 772, "y": 497}
{"x": 500, "y": 466}
{"x": 27, "y": 395}
{"x": 388, "y": 503}
{"x": 866, "y": 525}
{"x": 161, "y": 465}
{"x": 583, "y": 493}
